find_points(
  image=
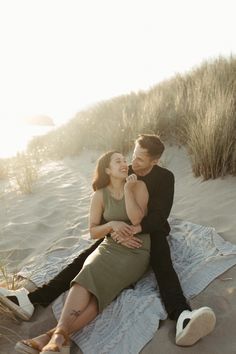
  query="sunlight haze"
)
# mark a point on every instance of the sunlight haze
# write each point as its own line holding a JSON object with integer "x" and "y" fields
{"x": 58, "y": 57}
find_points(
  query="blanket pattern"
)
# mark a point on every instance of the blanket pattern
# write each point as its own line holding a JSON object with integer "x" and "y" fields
{"x": 199, "y": 255}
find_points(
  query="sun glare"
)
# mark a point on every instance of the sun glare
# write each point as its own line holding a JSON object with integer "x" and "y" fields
{"x": 12, "y": 138}
{"x": 15, "y": 135}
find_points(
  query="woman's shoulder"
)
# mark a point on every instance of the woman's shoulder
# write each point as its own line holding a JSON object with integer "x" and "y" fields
{"x": 140, "y": 185}
{"x": 98, "y": 194}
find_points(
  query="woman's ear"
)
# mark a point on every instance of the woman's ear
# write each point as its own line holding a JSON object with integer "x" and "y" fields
{"x": 107, "y": 170}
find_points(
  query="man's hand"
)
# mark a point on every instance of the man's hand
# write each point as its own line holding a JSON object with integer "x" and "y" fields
{"x": 122, "y": 228}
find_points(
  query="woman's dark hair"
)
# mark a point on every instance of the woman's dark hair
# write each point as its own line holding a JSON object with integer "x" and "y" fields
{"x": 101, "y": 179}
{"x": 152, "y": 143}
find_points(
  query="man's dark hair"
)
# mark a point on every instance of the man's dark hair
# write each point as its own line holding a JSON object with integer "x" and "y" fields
{"x": 152, "y": 143}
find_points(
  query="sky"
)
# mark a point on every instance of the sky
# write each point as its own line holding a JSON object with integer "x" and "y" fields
{"x": 61, "y": 56}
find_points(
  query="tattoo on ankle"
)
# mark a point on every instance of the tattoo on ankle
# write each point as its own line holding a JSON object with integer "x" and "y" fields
{"x": 75, "y": 313}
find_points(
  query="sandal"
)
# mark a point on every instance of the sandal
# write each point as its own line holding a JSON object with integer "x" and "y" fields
{"x": 54, "y": 349}
{"x": 30, "y": 346}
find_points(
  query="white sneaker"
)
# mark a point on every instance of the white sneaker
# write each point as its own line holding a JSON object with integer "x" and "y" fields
{"x": 24, "y": 309}
{"x": 201, "y": 322}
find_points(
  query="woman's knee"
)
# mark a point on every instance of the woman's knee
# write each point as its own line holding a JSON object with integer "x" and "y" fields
{"x": 76, "y": 287}
{"x": 94, "y": 302}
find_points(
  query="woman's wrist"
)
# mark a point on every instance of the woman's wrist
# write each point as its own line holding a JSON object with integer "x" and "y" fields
{"x": 110, "y": 226}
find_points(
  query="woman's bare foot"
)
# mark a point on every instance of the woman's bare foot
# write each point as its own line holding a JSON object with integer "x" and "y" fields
{"x": 57, "y": 340}
{"x": 39, "y": 341}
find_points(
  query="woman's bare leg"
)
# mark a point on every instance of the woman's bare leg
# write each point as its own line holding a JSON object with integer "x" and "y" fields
{"x": 79, "y": 309}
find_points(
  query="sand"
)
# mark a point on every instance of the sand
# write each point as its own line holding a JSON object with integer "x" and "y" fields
{"x": 55, "y": 216}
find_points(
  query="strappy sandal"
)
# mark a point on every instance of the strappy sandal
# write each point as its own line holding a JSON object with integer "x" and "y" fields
{"x": 54, "y": 349}
{"x": 30, "y": 346}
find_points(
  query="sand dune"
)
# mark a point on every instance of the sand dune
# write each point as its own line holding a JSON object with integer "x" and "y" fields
{"x": 56, "y": 216}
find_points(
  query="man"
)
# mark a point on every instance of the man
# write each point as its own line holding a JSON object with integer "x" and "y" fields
{"x": 191, "y": 325}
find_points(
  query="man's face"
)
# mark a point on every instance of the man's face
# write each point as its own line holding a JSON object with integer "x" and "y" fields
{"x": 142, "y": 162}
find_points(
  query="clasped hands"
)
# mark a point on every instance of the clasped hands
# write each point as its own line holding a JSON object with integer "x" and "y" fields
{"x": 124, "y": 234}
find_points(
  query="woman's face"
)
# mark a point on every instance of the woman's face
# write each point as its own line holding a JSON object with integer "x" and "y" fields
{"x": 118, "y": 166}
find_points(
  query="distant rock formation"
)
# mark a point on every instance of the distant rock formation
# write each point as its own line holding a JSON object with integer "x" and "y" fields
{"x": 39, "y": 120}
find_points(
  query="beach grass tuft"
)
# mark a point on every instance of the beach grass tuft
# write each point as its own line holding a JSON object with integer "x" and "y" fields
{"x": 21, "y": 171}
{"x": 8, "y": 281}
{"x": 196, "y": 109}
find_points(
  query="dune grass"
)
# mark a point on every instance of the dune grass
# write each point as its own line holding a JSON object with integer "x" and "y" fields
{"x": 3, "y": 170}
{"x": 9, "y": 281}
{"x": 24, "y": 172}
{"x": 197, "y": 110}
{"x": 21, "y": 171}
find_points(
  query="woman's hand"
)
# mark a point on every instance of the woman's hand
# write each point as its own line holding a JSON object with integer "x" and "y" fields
{"x": 121, "y": 228}
{"x": 130, "y": 242}
{"x": 130, "y": 182}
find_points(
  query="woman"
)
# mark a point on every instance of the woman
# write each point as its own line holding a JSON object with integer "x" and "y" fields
{"x": 112, "y": 266}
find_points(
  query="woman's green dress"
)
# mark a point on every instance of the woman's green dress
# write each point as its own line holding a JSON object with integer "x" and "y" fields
{"x": 113, "y": 267}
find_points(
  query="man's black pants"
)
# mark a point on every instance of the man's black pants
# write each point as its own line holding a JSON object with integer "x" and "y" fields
{"x": 167, "y": 279}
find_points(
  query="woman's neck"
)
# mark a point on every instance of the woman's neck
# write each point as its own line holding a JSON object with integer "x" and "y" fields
{"x": 116, "y": 188}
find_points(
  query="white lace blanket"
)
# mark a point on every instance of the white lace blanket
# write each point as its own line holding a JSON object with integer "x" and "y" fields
{"x": 199, "y": 255}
